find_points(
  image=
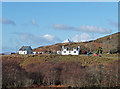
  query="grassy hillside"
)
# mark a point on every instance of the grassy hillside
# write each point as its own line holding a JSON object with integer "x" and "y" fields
{"x": 57, "y": 70}
{"x": 108, "y": 43}
{"x": 82, "y": 59}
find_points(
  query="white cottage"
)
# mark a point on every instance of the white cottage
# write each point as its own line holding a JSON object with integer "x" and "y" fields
{"x": 25, "y": 50}
{"x": 69, "y": 51}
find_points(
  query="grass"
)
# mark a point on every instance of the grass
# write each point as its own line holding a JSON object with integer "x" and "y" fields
{"x": 84, "y": 60}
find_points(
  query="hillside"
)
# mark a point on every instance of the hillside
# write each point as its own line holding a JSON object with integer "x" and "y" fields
{"x": 59, "y": 71}
{"x": 42, "y": 71}
{"x": 108, "y": 43}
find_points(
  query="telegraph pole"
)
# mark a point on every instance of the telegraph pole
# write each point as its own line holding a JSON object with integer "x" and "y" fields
{"x": 92, "y": 43}
{"x": 93, "y": 40}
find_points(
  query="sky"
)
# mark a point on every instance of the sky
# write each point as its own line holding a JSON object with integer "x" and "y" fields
{"x": 45, "y": 23}
{"x": 60, "y": 0}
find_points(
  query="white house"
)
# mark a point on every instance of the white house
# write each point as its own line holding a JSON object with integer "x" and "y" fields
{"x": 25, "y": 50}
{"x": 69, "y": 51}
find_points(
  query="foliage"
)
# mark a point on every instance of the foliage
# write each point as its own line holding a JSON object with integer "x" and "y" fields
{"x": 50, "y": 70}
{"x": 12, "y": 74}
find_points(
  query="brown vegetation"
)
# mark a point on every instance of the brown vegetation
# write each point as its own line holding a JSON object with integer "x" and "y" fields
{"x": 64, "y": 71}
{"x": 110, "y": 44}
{"x": 71, "y": 71}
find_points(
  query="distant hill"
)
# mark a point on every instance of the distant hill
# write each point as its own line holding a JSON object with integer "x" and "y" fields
{"x": 108, "y": 43}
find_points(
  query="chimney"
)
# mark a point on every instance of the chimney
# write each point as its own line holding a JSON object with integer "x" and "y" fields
{"x": 62, "y": 47}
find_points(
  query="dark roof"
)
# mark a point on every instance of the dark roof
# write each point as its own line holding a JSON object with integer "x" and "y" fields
{"x": 70, "y": 48}
{"x": 25, "y": 48}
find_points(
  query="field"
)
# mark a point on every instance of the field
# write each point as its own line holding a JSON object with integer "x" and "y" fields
{"x": 58, "y": 70}
{"x": 83, "y": 59}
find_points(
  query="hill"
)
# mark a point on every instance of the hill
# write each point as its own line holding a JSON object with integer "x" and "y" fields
{"x": 56, "y": 70}
{"x": 108, "y": 43}
{"x": 41, "y": 71}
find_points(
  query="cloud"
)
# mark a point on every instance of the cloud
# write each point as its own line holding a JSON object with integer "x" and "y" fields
{"x": 81, "y": 38}
{"x": 31, "y": 22}
{"x": 37, "y": 40}
{"x": 63, "y": 27}
{"x": 34, "y": 23}
{"x": 7, "y": 21}
{"x": 48, "y": 37}
{"x": 83, "y": 28}
{"x": 51, "y": 38}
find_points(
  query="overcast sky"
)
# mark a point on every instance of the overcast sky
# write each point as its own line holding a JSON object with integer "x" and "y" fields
{"x": 39, "y": 24}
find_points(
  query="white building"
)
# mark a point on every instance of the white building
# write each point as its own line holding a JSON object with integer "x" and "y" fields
{"x": 69, "y": 51}
{"x": 37, "y": 53}
{"x": 25, "y": 50}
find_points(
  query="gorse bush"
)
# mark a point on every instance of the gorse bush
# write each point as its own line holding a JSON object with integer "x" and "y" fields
{"x": 69, "y": 71}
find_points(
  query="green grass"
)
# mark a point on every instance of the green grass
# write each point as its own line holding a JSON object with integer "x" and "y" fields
{"x": 84, "y": 60}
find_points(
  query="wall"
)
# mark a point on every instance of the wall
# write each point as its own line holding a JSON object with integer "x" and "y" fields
{"x": 22, "y": 52}
{"x": 71, "y": 52}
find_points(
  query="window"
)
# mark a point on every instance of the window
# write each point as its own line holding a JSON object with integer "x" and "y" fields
{"x": 67, "y": 48}
{"x": 74, "y": 51}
